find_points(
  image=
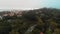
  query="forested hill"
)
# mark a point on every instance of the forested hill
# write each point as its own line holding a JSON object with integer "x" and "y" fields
{"x": 47, "y": 21}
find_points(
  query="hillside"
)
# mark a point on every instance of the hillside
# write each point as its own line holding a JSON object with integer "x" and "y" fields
{"x": 45, "y": 20}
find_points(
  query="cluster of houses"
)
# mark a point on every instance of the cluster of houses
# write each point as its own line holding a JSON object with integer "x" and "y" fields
{"x": 13, "y": 13}
{"x": 17, "y": 13}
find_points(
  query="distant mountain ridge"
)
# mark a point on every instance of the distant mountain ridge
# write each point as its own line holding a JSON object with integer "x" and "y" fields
{"x": 44, "y": 10}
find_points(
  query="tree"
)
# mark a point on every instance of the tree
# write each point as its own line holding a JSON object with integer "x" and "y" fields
{"x": 5, "y": 27}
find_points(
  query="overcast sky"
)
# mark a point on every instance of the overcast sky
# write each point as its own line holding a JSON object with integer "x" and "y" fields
{"x": 28, "y": 4}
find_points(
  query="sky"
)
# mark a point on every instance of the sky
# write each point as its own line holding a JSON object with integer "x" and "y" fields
{"x": 28, "y": 4}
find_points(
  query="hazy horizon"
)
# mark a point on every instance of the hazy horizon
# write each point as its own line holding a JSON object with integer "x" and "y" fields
{"x": 28, "y": 4}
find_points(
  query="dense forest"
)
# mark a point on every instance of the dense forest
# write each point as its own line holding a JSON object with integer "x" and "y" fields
{"x": 37, "y": 21}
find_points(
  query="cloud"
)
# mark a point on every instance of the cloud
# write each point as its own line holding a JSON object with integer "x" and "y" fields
{"x": 28, "y": 4}
{"x": 18, "y": 4}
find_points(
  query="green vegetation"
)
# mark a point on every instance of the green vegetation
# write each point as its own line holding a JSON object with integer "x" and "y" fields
{"x": 46, "y": 19}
